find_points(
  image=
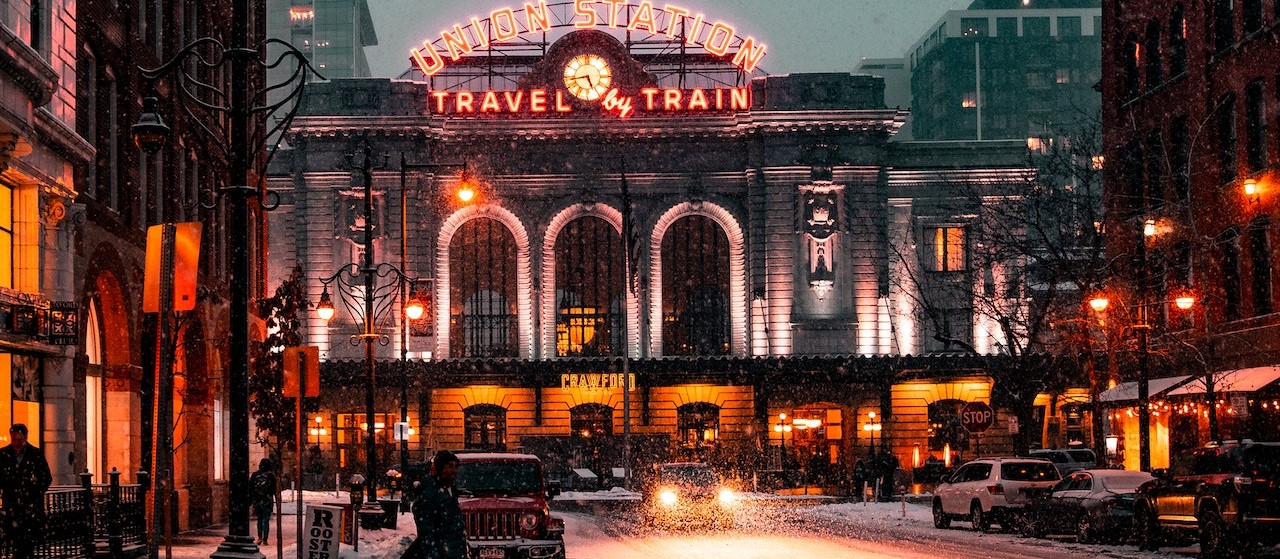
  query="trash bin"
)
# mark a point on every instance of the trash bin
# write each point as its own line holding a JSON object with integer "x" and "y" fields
{"x": 390, "y": 510}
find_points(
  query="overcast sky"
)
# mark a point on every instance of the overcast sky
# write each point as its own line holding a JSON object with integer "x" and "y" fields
{"x": 802, "y": 35}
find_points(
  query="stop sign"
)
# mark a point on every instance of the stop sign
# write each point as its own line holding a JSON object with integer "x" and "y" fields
{"x": 976, "y": 417}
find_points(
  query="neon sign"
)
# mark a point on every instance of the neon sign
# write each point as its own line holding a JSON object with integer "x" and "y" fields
{"x": 542, "y": 101}
{"x": 508, "y": 24}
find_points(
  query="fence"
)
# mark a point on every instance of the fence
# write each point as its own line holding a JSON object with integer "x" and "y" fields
{"x": 86, "y": 521}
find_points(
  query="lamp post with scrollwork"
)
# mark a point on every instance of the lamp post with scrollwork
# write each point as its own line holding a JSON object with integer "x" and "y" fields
{"x": 235, "y": 124}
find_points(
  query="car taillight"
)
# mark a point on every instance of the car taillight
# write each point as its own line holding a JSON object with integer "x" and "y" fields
{"x": 996, "y": 489}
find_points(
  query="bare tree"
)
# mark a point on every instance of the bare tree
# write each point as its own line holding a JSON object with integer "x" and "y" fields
{"x": 1032, "y": 250}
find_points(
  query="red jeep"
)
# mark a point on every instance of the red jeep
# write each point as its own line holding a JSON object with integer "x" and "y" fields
{"x": 504, "y": 504}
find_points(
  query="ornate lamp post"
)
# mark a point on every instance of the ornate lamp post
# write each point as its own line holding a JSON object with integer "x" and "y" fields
{"x": 782, "y": 428}
{"x": 872, "y": 427}
{"x": 228, "y": 123}
{"x": 368, "y": 291}
{"x": 1142, "y": 326}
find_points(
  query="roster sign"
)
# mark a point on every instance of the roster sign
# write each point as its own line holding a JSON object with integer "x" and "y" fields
{"x": 322, "y": 532}
{"x": 511, "y": 24}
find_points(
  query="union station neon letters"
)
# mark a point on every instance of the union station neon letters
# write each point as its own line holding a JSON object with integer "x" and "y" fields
{"x": 504, "y": 25}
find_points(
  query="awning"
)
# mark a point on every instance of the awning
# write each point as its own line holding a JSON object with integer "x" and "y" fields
{"x": 1128, "y": 391}
{"x": 1239, "y": 380}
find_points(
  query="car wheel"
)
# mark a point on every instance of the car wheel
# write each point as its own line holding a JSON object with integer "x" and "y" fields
{"x": 940, "y": 519}
{"x": 1084, "y": 530}
{"x": 1032, "y": 527}
{"x": 1145, "y": 529}
{"x": 1214, "y": 542}
{"x": 979, "y": 519}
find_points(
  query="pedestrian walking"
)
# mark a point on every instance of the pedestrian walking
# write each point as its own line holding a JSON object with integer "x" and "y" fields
{"x": 24, "y": 478}
{"x": 437, "y": 514}
{"x": 263, "y": 482}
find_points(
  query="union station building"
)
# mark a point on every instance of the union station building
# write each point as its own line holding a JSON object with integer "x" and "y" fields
{"x": 772, "y": 221}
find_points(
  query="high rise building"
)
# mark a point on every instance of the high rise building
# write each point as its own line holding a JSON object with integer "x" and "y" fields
{"x": 333, "y": 33}
{"x": 1007, "y": 69}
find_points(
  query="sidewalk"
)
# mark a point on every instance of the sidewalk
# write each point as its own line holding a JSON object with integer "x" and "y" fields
{"x": 376, "y": 544}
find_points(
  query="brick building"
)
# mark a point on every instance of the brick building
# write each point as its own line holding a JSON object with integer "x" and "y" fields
{"x": 1191, "y": 148}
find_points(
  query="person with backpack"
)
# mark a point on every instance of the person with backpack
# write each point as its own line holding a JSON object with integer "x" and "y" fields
{"x": 263, "y": 483}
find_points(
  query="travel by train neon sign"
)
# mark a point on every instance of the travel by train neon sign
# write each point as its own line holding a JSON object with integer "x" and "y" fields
{"x": 504, "y": 25}
{"x": 536, "y": 102}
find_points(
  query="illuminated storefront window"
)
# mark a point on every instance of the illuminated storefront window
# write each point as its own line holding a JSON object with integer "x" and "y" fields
{"x": 6, "y": 237}
{"x": 20, "y": 404}
{"x": 699, "y": 425}
{"x": 486, "y": 427}
{"x": 589, "y": 421}
{"x": 695, "y": 287}
{"x": 589, "y": 293}
{"x": 482, "y": 281}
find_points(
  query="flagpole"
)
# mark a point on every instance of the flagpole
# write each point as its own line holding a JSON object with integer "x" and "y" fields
{"x": 627, "y": 231}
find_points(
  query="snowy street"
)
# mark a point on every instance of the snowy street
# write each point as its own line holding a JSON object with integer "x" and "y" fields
{"x": 841, "y": 530}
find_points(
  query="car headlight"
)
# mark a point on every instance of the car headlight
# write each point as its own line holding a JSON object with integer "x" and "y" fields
{"x": 668, "y": 497}
{"x": 528, "y": 521}
{"x": 727, "y": 497}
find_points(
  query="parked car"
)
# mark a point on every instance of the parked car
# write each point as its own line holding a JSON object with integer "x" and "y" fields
{"x": 687, "y": 494}
{"x": 1095, "y": 505}
{"x": 991, "y": 490}
{"x": 1068, "y": 460}
{"x": 1227, "y": 495}
{"x": 504, "y": 502}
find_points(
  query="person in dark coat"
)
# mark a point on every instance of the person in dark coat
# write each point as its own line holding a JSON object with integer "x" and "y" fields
{"x": 263, "y": 483}
{"x": 437, "y": 514}
{"x": 24, "y": 478}
{"x": 859, "y": 480}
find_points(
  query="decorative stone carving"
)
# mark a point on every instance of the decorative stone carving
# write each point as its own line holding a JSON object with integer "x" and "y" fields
{"x": 820, "y": 213}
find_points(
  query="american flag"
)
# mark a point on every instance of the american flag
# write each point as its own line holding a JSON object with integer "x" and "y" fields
{"x": 630, "y": 232}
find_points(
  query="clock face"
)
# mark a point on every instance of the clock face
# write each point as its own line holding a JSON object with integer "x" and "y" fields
{"x": 587, "y": 77}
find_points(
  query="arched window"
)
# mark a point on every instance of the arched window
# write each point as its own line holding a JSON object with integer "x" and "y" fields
{"x": 589, "y": 289}
{"x": 1178, "y": 41}
{"x": 482, "y": 290}
{"x": 1155, "y": 68}
{"x": 485, "y": 427}
{"x": 1131, "y": 55}
{"x": 944, "y": 426}
{"x": 94, "y": 395}
{"x": 695, "y": 288}
{"x": 591, "y": 421}
{"x": 699, "y": 425}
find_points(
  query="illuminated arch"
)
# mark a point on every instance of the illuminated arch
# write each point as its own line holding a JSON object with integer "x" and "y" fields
{"x": 737, "y": 272}
{"x": 524, "y": 274}
{"x": 557, "y": 224}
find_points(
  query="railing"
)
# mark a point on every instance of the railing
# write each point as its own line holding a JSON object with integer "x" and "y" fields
{"x": 121, "y": 529}
{"x": 85, "y": 521}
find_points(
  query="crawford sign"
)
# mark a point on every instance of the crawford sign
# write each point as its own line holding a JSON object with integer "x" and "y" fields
{"x": 595, "y": 381}
{"x": 505, "y": 25}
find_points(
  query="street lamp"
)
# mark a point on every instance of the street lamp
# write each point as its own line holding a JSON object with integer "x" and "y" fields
{"x": 872, "y": 427}
{"x": 1184, "y": 301}
{"x": 782, "y": 428}
{"x": 368, "y": 292}
{"x": 230, "y": 129}
{"x": 416, "y": 306}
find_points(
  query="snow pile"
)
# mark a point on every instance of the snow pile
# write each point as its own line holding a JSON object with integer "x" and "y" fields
{"x": 614, "y": 494}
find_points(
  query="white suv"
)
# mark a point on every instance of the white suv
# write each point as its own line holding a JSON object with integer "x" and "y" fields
{"x": 991, "y": 490}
